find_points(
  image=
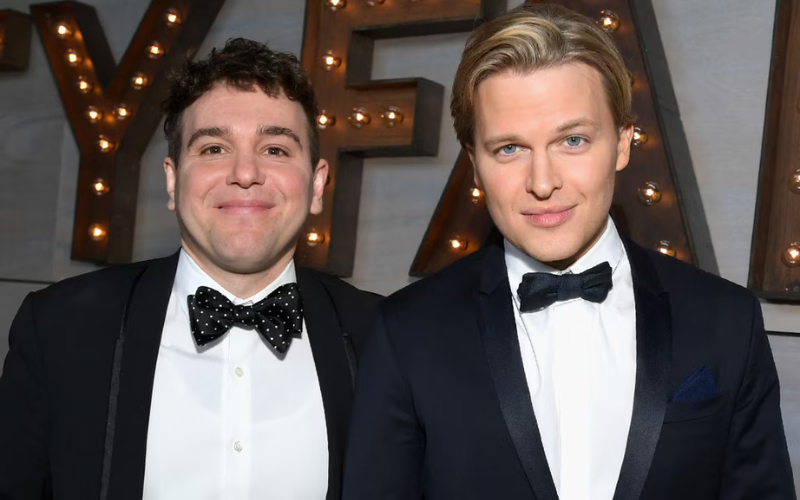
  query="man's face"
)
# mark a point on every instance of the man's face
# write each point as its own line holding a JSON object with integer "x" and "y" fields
{"x": 245, "y": 183}
{"x": 545, "y": 153}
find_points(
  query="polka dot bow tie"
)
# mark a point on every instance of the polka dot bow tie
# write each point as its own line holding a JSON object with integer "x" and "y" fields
{"x": 277, "y": 318}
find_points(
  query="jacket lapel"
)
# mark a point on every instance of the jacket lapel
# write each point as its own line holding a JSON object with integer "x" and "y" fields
{"x": 499, "y": 335}
{"x": 653, "y": 362}
{"x": 327, "y": 339}
{"x": 146, "y": 311}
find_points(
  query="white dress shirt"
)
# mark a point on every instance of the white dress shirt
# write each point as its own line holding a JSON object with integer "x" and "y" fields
{"x": 580, "y": 363}
{"x": 234, "y": 419}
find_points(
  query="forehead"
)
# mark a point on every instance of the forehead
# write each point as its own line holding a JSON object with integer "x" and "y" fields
{"x": 241, "y": 111}
{"x": 544, "y": 97}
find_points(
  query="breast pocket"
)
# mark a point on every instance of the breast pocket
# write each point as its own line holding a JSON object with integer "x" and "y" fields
{"x": 686, "y": 411}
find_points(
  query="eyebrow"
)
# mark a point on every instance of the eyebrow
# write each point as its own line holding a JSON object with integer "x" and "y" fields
{"x": 579, "y": 122}
{"x": 493, "y": 141}
{"x": 274, "y": 130}
{"x": 207, "y": 132}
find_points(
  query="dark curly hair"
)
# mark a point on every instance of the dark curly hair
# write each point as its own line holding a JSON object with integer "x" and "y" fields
{"x": 241, "y": 64}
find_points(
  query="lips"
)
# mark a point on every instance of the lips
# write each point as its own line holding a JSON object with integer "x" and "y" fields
{"x": 245, "y": 207}
{"x": 548, "y": 217}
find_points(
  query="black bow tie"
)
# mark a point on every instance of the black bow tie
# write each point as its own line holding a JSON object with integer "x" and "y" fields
{"x": 539, "y": 290}
{"x": 277, "y": 318}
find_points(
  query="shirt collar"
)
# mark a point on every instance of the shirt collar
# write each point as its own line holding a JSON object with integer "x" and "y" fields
{"x": 189, "y": 276}
{"x": 609, "y": 248}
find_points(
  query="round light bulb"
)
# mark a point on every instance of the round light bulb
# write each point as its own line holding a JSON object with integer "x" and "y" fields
{"x": 475, "y": 194}
{"x": 84, "y": 87}
{"x": 330, "y": 61}
{"x": 97, "y": 232}
{"x": 359, "y": 117}
{"x": 335, "y": 5}
{"x": 649, "y": 194}
{"x": 314, "y": 238}
{"x": 122, "y": 112}
{"x": 609, "y": 21}
{"x": 138, "y": 81}
{"x": 458, "y": 244}
{"x": 392, "y": 116}
{"x": 373, "y": 3}
{"x": 639, "y": 137}
{"x": 93, "y": 114}
{"x": 63, "y": 31}
{"x": 173, "y": 17}
{"x": 100, "y": 187}
{"x": 665, "y": 247}
{"x": 73, "y": 58}
{"x": 324, "y": 120}
{"x": 794, "y": 182}
{"x": 791, "y": 256}
{"x": 155, "y": 51}
{"x": 104, "y": 144}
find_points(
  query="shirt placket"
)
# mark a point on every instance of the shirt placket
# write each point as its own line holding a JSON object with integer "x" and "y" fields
{"x": 239, "y": 442}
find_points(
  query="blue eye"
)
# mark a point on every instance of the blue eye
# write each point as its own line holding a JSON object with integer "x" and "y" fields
{"x": 509, "y": 149}
{"x": 574, "y": 141}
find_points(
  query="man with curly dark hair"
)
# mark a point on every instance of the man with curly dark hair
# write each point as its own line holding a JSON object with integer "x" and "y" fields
{"x": 222, "y": 371}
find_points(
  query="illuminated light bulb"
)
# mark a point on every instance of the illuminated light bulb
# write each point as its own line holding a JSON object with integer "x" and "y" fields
{"x": 84, "y": 87}
{"x": 122, "y": 112}
{"x": 155, "y": 51}
{"x": 609, "y": 21}
{"x": 324, "y": 120}
{"x": 63, "y": 31}
{"x": 665, "y": 247}
{"x": 392, "y": 116}
{"x": 138, "y": 81}
{"x": 794, "y": 182}
{"x": 173, "y": 17}
{"x": 639, "y": 137}
{"x": 649, "y": 194}
{"x": 73, "y": 58}
{"x": 359, "y": 117}
{"x": 97, "y": 232}
{"x": 104, "y": 144}
{"x": 100, "y": 187}
{"x": 335, "y": 5}
{"x": 791, "y": 256}
{"x": 331, "y": 61}
{"x": 373, "y": 3}
{"x": 475, "y": 194}
{"x": 458, "y": 244}
{"x": 93, "y": 114}
{"x": 314, "y": 238}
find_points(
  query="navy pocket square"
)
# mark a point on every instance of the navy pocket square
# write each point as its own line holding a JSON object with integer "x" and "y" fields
{"x": 698, "y": 386}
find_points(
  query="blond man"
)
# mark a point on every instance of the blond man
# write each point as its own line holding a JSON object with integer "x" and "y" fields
{"x": 563, "y": 361}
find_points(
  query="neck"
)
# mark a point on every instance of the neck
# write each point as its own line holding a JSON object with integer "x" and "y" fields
{"x": 242, "y": 284}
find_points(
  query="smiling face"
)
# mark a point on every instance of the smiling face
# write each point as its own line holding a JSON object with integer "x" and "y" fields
{"x": 245, "y": 183}
{"x": 545, "y": 152}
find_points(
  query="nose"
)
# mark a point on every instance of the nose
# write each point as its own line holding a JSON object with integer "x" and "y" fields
{"x": 543, "y": 177}
{"x": 245, "y": 171}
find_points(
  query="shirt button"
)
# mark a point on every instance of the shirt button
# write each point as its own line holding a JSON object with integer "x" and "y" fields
{"x": 238, "y": 446}
{"x": 239, "y": 372}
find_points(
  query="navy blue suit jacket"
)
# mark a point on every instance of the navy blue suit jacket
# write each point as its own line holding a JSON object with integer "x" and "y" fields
{"x": 442, "y": 409}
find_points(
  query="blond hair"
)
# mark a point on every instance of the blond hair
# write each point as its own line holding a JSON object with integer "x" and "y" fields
{"x": 532, "y": 37}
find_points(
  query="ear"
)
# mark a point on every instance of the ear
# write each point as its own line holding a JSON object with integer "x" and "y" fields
{"x": 318, "y": 186}
{"x": 624, "y": 146}
{"x": 170, "y": 171}
{"x": 475, "y": 178}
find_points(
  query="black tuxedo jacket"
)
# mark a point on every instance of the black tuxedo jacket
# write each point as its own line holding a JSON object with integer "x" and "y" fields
{"x": 442, "y": 408}
{"x": 75, "y": 400}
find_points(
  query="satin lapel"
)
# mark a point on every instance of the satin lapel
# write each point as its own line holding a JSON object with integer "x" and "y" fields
{"x": 145, "y": 321}
{"x": 330, "y": 357}
{"x": 653, "y": 362}
{"x": 499, "y": 336}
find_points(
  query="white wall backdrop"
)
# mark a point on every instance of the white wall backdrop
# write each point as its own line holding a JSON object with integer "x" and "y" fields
{"x": 718, "y": 52}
